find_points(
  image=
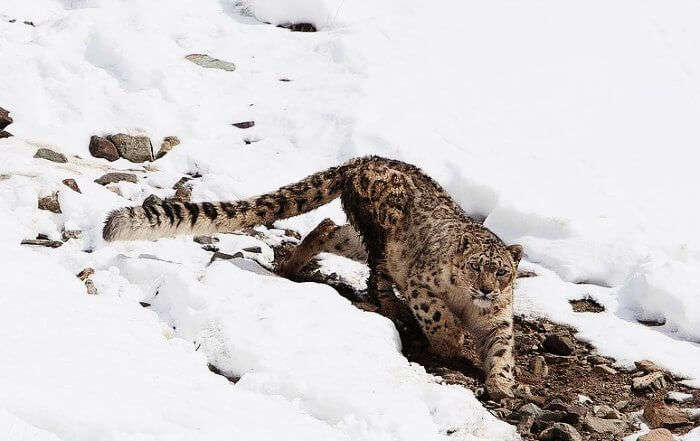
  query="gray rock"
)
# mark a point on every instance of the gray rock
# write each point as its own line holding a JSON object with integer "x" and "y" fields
{"x": 530, "y": 409}
{"x": 606, "y": 412}
{"x": 103, "y": 148}
{"x": 558, "y": 344}
{"x": 50, "y": 155}
{"x": 600, "y": 425}
{"x": 208, "y": 62}
{"x": 110, "y": 178}
{"x": 5, "y": 119}
{"x": 50, "y": 203}
{"x": 560, "y": 431}
{"x": 133, "y": 148}
{"x": 621, "y": 404}
{"x": 525, "y": 424}
{"x": 205, "y": 240}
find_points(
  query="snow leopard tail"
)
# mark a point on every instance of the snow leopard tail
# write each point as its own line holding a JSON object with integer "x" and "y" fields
{"x": 173, "y": 218}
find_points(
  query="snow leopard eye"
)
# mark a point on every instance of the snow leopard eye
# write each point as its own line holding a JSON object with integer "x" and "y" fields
{"x": 475, "y": 266}
{"x": 501, "y": 272}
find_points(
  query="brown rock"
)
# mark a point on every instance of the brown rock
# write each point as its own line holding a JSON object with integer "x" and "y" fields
{"x": 573, "y": 413}
{"x": 560, "y": 432}
{"x": 70, "y": 183}
{"x": 50, "y": 155}
{"x": 652, "y": 381}
{"x": 605, "y": 369}
{"x": 657, "y": 415}
{"x": 133, "y": 148}
{"x": 538, "y": 366}
{"x": 85, "y": 273}
{"x": 43, "y": 242}
{"x": 558, "y": 344}
{"x": 601, "y": 425}
{"x": 525, "y": 424}
{"x": 110, "y": 178}
{"x": 50, "y": 203}
{"x": 168, "y": 143}
{"x": 244, "y": 124}
{"x": 599, "y": 359}
{"x": 657, "y": 435}
{"x": 5, "y": 119}
{"x": 4, "y": 134}
{"x": 606, "y": 412}
{"x": 103, "y": 148}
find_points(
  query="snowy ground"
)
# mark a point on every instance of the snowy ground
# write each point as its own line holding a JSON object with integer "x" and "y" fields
{"x": 572, "y": 129}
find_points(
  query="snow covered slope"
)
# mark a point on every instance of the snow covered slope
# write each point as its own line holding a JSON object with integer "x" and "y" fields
{"x": 572, "y": 129}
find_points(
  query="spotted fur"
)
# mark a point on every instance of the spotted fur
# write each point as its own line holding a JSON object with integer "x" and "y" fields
{"x": 453, "y": 274}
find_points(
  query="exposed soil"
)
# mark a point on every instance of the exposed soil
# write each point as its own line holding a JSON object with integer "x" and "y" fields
{"x": 570, "y": 392}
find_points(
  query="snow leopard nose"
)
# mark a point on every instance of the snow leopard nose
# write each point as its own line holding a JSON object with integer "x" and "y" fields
{"x": 486, "y": 290}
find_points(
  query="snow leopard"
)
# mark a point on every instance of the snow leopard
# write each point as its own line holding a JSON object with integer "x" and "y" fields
{"x": 425, "y": 254}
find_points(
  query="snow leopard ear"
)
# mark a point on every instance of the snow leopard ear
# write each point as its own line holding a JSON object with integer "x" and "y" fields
{"x": 516, "y": 252}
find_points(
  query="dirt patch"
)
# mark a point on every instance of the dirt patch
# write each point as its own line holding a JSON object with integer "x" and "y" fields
{"x": 586, "y": 305}
{"x": 581, "y": 391}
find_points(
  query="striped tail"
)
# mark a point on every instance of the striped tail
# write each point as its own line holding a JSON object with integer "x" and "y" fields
{"x": 172, "y": 218}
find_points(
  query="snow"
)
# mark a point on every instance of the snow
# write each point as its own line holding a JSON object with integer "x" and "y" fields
{"x": 572, "y": 130}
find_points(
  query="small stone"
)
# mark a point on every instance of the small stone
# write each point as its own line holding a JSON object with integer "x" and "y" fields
{"x": 70, "y": 234}
{"x": 208, "y": 62}
{"x": 70, "y": 183}
{"x": 42, "y": 242}
{"x": 606, "y": 412}
{"x": 601, "y": 425}
{"x": 50, "y": 203}
{"x": 560, "y": 432}
{"x": 558, "y": 344}
{"x": 152, "y": 200}
{"x": 652, "y": 381}
{"x": 111, "y": 178}
{"x": 605, "y": 369}
{"x": 133, "y": 148}
{"x": 657, "y": 435}
{"x": 599, "y": 359}
{"x": 298, "y": 27}
{"x": 103, "y": 148}
{"x": 5, "y": 119}
{"x": 183, "y": 194}
{"x": 114, "y": 189}
{"x": 168, "y": 143}
{"x": 244, "y": 124}
{"x": 205, "y": 240}
{"x": 621, "y": 404}
{"x": 693, "y": 414}
{"x": 657, "y": 415}
{"x": 256, "y": 250}
{"x": 648, "y": 366}
{"x": 538, "y": 366}
{"x": 530, "y": 409}
{"x": 50, "y": 155}
{"x": 678, "y": 397}
{"x": 91, "y": 289}
{"x": 4, "y": 134}
{"x": 85, "y": 273}
{"x": 573, "y": 413}
{"x": 525, "y": 424}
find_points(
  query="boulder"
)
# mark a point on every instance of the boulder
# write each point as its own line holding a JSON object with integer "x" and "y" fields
{"x": 103, "y": 148}
{"x": 658, "y": 415}
{"x": 133, "y": 148}
{"x": 560, "y": 432}
{"x": 110, "y": 178}
{"x": 50, "y": 155}
{"x": 601, "y": 425}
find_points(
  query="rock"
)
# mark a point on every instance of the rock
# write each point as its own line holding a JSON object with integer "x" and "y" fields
{"x": 133, "y": 148}
{"x": 152, "y": 200}
{"x": 573, "y": 413}
{"x": 652, "y": 381}
{"x": 103, "y": 148}
{"x": 111, "y": 178}
{"x": 205, "y": 240}
{"x": 604, "y": 369}
{"x": 85, "y": 273}
{"x": 256, "y": 250}
{"x": 114, "y": 189}
{"x": 657, "y": 435}
{"x": 648, "y": 366}
{"x": 678, "y": 397}
{"x": 601, "y": 425}
{"x": 70, "y": 183}
{"x": 70, "y": 234}
{"x": 50, "y": 155}
{"x": 599, "y": 359}
{"x": 530, "y": 409}
{"x": 606, "y": 412}
{"x": 657, "y": 415}
{"x": 538, "y": 366}
{"x": 560, "y": 432}
{"x": 244, "y": 124}
{"x": 298, "y": 27}
{"x": 168, "y": 143}
{"x": 5, "y": 119}
{"x": 50, "y": 203}
{"x": 183, "y": 194}
{"x": 90, "y": 286}
{"x": 621, "y": 404}
{"x": 583, "y": 399}
{"x": 558, "y": 344}
{"x": 4, "y": 134}
{"x": 43, "y": 242}
{"x": 525, "y": 424}
{"x": 208, "y": 62}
